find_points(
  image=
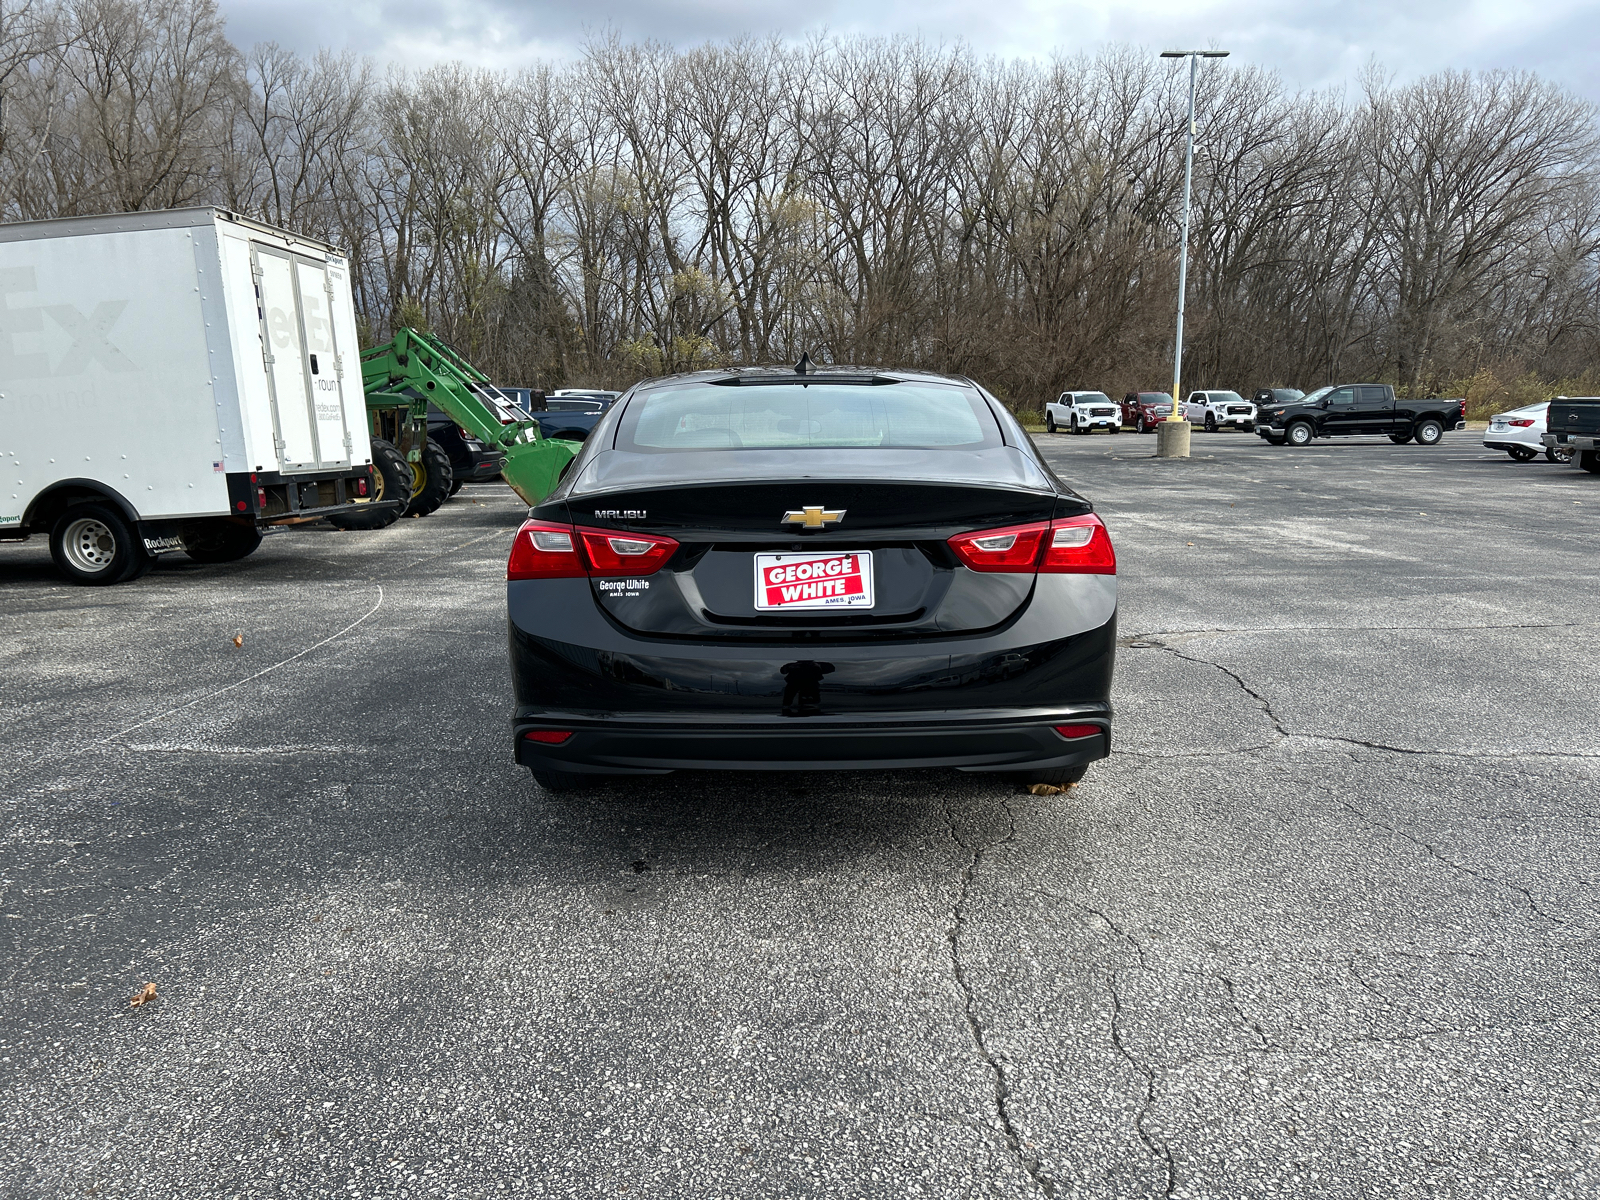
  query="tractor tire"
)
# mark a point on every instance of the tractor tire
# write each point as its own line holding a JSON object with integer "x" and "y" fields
{"x": 93, "y": 544}
{"x": 392, "y": 476}
{"x": 431, "y": 478}
{"x": 221, "y": 541}
{"x": 456, "y": 485}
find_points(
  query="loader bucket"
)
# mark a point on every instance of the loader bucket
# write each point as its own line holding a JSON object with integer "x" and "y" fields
{"x": 532, "y": 468}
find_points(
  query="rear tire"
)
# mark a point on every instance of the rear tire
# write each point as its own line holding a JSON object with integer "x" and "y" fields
{"x": 1558, "y": 454}
{"x": 94, "y": 545}
{"x": 1049, "y": 423}
{"x": 222, "y": 541}
{"x": 1428, "y": 432}
{"x": 1523, "y": 453}
{"x": 431, "y": 477}
{"x": 559, "y": 782}
{"x": 1589, "y": 460}
{"x": 1399, "y": 439}
{"x": 392, "y": 477}
{"x": 1299, "y": 434}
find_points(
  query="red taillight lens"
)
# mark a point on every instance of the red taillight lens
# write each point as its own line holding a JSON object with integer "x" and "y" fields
{"x": 1014, "y": 548}
{"x": 1077, "y": 731}
{"x": 1521, "y": 423}
{"x": 1070, "y": 546}
{"x": 550, "y": 737}
{"x": 631, "y": 554}
{"x": 544, "y": 551}
{"x": 1079, "y": 546}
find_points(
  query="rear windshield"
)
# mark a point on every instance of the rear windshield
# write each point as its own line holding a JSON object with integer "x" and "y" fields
{"x": 815, "y": 416}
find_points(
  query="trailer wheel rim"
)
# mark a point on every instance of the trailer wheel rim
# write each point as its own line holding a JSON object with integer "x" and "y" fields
{"x": 90, "y": 545}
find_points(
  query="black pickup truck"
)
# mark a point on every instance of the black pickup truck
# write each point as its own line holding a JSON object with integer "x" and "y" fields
{"x": 1574, "y": 422}
{"x": 1348, "y": 408}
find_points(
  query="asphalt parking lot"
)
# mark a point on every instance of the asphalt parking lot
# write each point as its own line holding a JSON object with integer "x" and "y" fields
{"x": 1324, "y": 925}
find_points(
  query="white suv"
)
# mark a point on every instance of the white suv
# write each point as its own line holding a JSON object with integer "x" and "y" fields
{"x": 1216, "y": 410}
{"x": 1083, "y": 412}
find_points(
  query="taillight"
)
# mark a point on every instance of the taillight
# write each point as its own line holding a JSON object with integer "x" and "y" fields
{"x": 625, "y": 553}
{"x": 555, "y": 737}
{"x": 1521, "y": 423}
{"x": 1077, "y": 731}
{"x": 1069, "y": 546}
{"x": 1013, "y": 548}
{"x": 547, "y": 551}
{"x": 544, "y": 551}
{"x": 1079, "y": 546}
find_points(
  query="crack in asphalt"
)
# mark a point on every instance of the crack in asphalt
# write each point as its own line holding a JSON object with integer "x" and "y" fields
{"x": 1158, "y": 1148}
{"x": 1147, "y": 642}
{"x": 958, "y": 920}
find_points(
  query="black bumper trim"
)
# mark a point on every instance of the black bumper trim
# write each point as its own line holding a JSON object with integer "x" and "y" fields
{"x": 811, "y": 744}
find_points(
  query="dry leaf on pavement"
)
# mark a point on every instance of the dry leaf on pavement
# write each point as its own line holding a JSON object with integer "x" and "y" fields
{"x": 1050, "y": 789}
{"x": 238, "y": 639}
{"x": 146, "y": 994}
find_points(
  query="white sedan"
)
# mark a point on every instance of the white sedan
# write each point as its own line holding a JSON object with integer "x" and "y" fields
{"x": 1083, "y": 412}
{"x": 1518, "y": 433}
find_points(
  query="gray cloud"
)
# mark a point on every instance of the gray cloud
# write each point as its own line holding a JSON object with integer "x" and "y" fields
{"x": 1313, "y": 44}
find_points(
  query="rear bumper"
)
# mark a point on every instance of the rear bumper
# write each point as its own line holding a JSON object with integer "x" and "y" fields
{"x": 1571, "y": 441}
{"x": 984, "y": 701}
{"x": 635, "y": 744}
{"x": 483, "y": 467}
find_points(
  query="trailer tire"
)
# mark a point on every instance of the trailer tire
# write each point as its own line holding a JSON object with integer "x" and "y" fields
{"x": 431, "y": 478}
{"x": 93, "y": 544}
{"x": 391, "y": 477}
{"x": 222, "y": 541}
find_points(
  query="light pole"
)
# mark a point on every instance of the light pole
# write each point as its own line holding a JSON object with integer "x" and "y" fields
{"x": 1172, "y": 435}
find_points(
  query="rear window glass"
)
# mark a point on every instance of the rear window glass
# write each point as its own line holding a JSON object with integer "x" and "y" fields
{"x": 816, "y": 416}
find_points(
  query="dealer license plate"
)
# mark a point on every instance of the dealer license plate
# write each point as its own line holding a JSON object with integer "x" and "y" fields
{"x": 796, "y": 581}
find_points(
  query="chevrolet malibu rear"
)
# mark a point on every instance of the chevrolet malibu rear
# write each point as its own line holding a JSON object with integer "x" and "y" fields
{"x": 842, "y": 570}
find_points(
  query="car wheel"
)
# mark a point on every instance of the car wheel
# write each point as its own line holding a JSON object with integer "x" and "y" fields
{"x": 1589, "y": 460}
{"x": 1211, "y": 423}
{"x": 94, "y": 545}
{"x": 1522, "y": 453}
{"x": 1399, "y": 439}
{"x": 1298, "y": 434}
{"x": 391, "y": 475}
{"x": 1049, "y": 423}
{"x": 1248, "y": 427}
{"x": 1057, "y": 776}
{"x": 1115, "y": 428}
{"x": 1428, "y": 432}
{"x": 221, "y": 541}
{"x": 1558, "y": 454}
{"x": 560, "y": 781}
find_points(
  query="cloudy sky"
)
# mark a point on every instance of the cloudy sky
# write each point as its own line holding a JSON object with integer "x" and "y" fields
{"x": 1312, "y": 43}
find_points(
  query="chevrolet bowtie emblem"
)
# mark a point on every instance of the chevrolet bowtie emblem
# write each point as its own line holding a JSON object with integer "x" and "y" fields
{"x": 813, "y": 516}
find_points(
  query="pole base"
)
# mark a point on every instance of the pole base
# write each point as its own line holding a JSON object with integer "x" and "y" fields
{"x": 1172, "y": 439}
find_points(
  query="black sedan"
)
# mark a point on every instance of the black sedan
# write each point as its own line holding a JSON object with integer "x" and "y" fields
{"x": 844, "y": 569}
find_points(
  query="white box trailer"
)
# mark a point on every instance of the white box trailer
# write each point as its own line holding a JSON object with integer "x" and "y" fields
{"x": 174, "y": 380}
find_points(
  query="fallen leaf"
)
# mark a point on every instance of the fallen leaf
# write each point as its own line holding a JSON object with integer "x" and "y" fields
{"x": 1050, "y": 789}
{"x": 146, "y": 994}
{"x": 238, "y": 639}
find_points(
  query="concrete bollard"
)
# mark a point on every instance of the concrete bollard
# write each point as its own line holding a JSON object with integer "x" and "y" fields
{"x": 1172, "y": 439}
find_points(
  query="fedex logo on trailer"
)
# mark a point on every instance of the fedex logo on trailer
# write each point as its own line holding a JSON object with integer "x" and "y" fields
{"x": 813, "y": 581}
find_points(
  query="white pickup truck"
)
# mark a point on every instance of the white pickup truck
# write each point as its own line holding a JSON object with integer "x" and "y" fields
{"x": 1083, "y": 412}
{"x": 178, "y": 380}
{"x": 1219, "y": 410}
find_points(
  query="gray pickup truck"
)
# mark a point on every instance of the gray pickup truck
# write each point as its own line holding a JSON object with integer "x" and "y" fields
{"x": 1349, "y": 408}
{"x": 1573, "y": 423}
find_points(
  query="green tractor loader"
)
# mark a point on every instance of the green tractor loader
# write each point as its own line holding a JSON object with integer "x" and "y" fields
{"x": 401, "y": 378}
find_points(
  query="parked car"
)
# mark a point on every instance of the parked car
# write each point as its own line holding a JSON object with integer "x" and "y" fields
{"x": 1145, "y": 410}
{"x": 768, "y": 570}
{"x": 1520, "y": 433}
{"x": 1083, "y": 412}
{"x": 470, "y": 460}
{"x": 1351, "y": 408}
{"x": 580, "y": 400}
{"x": 1215, "y": 410}
{"x": 1573, "y": 425}
{"x": 1278, "y": 395}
